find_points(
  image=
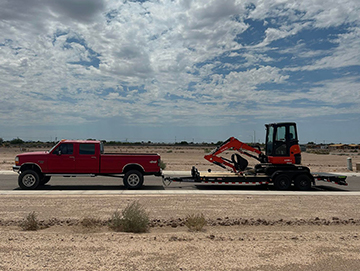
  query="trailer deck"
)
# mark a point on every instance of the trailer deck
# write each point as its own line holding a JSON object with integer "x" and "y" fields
{"x": 243, "y": 178}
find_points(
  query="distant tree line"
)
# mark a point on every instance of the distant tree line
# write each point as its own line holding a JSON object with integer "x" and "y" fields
{"x": 39, "y": 144}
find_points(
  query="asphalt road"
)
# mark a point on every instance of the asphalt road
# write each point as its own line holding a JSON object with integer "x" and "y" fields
{"x": 8, "y": 182}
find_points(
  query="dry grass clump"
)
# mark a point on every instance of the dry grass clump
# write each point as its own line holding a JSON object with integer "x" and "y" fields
{"x": 134, "y": 219}
{"x": 90, "y": 222}
{"x": 30, "y": 223}
{"x": 115, "y": 222}
{"x": 195, "y": 222}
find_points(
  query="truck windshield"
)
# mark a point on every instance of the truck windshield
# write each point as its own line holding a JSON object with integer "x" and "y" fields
{"x": 54, "y": 147}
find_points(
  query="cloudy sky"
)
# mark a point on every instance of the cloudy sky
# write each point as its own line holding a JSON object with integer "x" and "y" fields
{"x": 166, "y": 70}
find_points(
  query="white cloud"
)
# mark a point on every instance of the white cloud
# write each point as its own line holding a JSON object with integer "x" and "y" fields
{"x": 159, "y": 48}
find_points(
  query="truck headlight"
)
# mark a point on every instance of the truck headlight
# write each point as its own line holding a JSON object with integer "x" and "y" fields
{"x": 16, "y": 160}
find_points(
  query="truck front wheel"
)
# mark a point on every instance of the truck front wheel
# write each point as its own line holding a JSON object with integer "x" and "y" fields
{"x": 133, "y": 179}
{"x": 28, "y": 179}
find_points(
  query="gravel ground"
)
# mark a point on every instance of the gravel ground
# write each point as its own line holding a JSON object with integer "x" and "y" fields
{"x": 243, "y": 233}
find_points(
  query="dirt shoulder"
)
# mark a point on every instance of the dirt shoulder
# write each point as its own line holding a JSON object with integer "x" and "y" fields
{"x": 281, "y": 233}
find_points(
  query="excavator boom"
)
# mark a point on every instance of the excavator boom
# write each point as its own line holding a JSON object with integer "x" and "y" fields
{"x": 237, "y": 163}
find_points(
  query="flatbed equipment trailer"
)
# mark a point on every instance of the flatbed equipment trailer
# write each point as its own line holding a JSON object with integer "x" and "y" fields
{"x": 247, "y": 178}
{"x": 280, "y": 165}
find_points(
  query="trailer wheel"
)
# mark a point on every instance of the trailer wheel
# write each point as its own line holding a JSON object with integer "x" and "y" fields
{"x": 303, "y": 182}
{"x": 282, "y": 182}
{"x": 133, "y": 179}
{"x": 28, "y": 179}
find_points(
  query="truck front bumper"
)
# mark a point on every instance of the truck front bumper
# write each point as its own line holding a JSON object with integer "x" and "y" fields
{"x": 16, "y": 168}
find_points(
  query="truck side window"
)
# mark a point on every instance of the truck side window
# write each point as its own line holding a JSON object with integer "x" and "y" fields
{"x": 87, "y": 149}
{"x": 64, "y": 148}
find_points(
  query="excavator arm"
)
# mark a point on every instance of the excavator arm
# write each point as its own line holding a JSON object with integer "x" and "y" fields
{"x": 237, "y": 163}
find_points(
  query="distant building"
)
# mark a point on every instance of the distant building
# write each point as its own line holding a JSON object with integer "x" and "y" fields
{"x": 344, "y": 146}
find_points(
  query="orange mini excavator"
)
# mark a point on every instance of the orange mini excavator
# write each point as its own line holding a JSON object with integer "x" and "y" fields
{"x": 281, "y": 148}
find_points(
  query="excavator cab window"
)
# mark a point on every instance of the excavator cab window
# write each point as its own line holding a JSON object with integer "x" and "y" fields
{"x": 279, "y": 138}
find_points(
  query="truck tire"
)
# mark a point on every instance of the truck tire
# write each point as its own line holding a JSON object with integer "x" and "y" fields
{"x": 45, "y": 180}
{"x": 133, "y": 179}
{"x": 303, "y": 182}
{"x": 28, "y": 179}
{"x": 282, "y": 182}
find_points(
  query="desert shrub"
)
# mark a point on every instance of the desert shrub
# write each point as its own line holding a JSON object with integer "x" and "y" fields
{"x": 116, "y": 222}
{"x": 30, "y": 223}
{"x": 195, "y": 222}
{"x": 162, "y": 165}
{"x": 135, "y": 218}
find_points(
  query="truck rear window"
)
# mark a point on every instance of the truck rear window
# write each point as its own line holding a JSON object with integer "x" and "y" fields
{"x": 87, "y": 149}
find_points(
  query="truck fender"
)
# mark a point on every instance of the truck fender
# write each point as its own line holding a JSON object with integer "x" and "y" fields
{"x": 134, "y": 166}
{"x": 32, "y": 166}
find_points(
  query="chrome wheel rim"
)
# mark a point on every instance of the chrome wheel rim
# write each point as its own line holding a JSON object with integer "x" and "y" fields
{"x": 133, "y": 180}
{"x": 29, "y": 180}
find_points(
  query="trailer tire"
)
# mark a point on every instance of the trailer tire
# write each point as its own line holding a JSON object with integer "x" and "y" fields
{"x": 29, "y": 179}
{"x": 133, "y": 179}
{"x": 282, "y": 182}
{"x": 303, "y": 182}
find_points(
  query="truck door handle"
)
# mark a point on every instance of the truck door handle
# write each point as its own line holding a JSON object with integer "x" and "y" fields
{"x": 72, "y": 157}
{"x": 93, "y": 157}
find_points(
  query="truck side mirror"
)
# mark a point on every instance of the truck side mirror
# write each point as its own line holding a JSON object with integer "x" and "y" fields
{"x": 59, "y": 152}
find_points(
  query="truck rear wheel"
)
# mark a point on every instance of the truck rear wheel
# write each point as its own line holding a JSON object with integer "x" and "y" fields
{"x": 303, "y": 182}
{"x": 133, "y": 179}
{"x": 28, "y": 179}
{"x": 282, "y": 182}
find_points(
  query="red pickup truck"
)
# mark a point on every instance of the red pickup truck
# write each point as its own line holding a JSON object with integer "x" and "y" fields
{"x": 71, "y": 158}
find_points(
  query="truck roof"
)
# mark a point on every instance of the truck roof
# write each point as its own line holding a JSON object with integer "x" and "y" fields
{"x": 79, "y": 141}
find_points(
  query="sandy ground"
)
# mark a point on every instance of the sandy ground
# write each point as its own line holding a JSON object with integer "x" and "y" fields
{"x": 244, "y": 232}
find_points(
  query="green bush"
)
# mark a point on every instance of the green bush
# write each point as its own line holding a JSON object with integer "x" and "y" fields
{"x": 30, "y": 223}
{"x": 135, "y": 218}
{"x": 195, "y": 222}
{"x": 162, "y": 165}
{"x": 16, "y": 141}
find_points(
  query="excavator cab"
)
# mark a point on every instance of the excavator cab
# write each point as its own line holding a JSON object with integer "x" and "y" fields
{"x": 282, "y": 144}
